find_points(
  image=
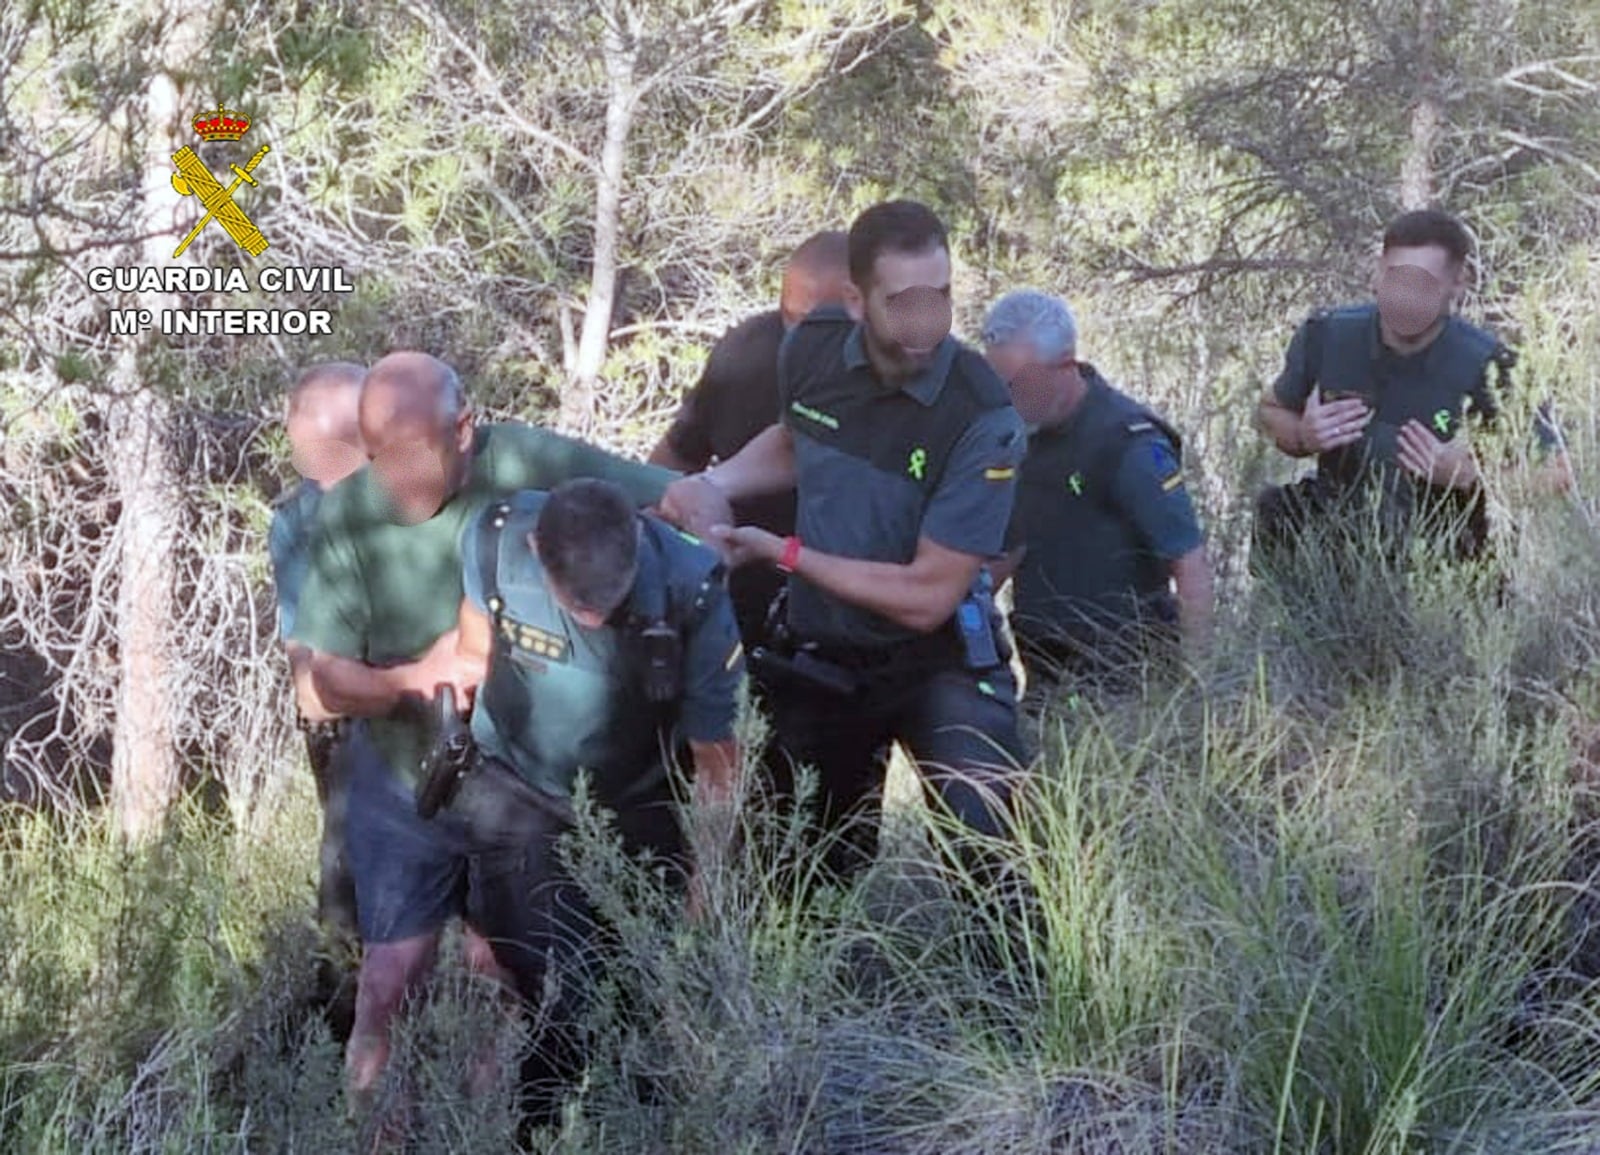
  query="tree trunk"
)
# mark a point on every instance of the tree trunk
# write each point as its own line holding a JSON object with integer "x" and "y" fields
{"x": 1417, "y": 176}
{"x": 144, "y": 764}
{"x": 621, "y": 58}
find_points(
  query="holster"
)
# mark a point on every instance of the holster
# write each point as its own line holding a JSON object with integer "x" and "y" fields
{"x": 802, "y": 668}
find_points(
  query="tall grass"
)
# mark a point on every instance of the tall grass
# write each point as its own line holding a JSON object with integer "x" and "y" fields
{"x": 1328, "y": 891}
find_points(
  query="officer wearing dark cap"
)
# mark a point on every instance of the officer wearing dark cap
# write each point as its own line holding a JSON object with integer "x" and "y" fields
{"x": 1379, "y": 393}
{"x": 606, "y": 640}
{"x": 1107, "y": 551}
{"x": 902, "y": 446}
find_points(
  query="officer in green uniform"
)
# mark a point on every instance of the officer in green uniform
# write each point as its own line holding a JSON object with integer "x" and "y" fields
{"x": 608, "y": 642}
{"x": 902, "y": 446}
{"x": 1379, "y": 394}
{"x": 1107, "y": 552}
{"x": 325, "y": 447}
{"x": 377, "y": 618}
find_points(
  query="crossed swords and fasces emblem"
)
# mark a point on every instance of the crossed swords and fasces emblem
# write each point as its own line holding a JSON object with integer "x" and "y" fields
{"x": 193, "y": 178}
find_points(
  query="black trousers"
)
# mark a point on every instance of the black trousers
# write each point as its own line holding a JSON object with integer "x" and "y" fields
{"x": 336, "y": 888}
{"x": 960, "y": 727}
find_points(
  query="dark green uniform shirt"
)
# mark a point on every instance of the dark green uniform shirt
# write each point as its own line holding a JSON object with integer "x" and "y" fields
{"x": 1103, "y": 512}
{"x": 288, "y": 547}
{"x": 560, "y": 697}
{"x": 382, "y": 593}
{"x": 879, "y": 467}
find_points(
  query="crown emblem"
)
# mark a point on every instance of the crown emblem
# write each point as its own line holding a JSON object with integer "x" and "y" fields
{"x": 221, "y": 124}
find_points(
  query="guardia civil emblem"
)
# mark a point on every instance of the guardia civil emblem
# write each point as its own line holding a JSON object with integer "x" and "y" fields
{"x": 194, "y": 179}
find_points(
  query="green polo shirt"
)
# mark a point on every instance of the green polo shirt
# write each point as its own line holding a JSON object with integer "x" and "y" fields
{"x": 382, "y": 593}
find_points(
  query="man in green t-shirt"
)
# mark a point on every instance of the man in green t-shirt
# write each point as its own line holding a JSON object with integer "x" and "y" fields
{"x": 377, "y": 616}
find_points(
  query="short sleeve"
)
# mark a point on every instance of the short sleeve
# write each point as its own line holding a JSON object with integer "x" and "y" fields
{"x": 286, "y": 555}
{"x": 331, "y": 614}
{"x": 1296, "y": 380}
{"x": 714, "y": 671}
{"x": 471, "y": 558}
{"x": 688, "y": 435}
{"x": 971, "y": 507}
{"x": 785, "y": 378}
{"x": 1149, "y": 491}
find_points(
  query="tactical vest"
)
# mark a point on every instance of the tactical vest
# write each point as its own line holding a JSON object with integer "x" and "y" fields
{"x": 1111, "y": 425}
{"x": 918, "y": 436}
{"x": 647, "y": 640}
{"x": 1340, "y": 346}
{"x": 1340, "y": 358}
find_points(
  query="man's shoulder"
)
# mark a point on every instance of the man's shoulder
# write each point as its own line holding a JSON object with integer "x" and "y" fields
{"x": 518, "y": 506}
{"x": 971, "y": 372}
{"x": 1477, "y": 341}
{"x": 757, "y": 329}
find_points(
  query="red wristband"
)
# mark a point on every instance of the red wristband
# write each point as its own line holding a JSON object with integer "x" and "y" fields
{"x": 790, "y": 557}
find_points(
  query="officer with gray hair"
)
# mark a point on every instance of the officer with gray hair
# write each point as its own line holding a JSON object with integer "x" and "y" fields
{"x": 1107, "y": 554}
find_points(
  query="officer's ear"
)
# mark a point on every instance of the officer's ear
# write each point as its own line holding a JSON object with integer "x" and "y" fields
{"x": 855, "y": 301}
{"x": 463, "y": 429}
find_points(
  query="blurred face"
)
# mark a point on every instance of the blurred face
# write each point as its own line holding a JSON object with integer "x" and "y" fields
{"x": 806, "y": 292}
{"x": 323, "y": 447}
{"x": 1038, "y": 388}
{"x": 1416, "y": 288}
{"x": 419, "y": 464}
{"x": 904, "y": 311}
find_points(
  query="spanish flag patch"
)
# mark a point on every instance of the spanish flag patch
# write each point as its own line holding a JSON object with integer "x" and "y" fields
{"x": 1171, "y": 483}
{"x": 1005, "y": 473}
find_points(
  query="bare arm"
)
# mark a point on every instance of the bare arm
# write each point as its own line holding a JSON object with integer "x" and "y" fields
{"x": 1004, "y": 567}
{"x": 328, "y": 687}
{"x": 764, "y": 466}
{"x": 1282, "y": 425}
{"x": 665, "y": 455}
{"x": 1317, "y": 429}
{"x": 1191, "y": 574}
{"x": 921, "y": 595}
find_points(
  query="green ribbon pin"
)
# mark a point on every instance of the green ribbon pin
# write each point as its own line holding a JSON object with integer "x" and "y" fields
{"x": 1075, "y": 483}
{"x": 1441, "y": 421}
{"x": 918, "y": 464}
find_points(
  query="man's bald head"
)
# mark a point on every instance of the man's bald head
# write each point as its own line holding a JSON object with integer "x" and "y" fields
{"x": 407, "y": 396}
{"x": 322, "y": 421}
{"x": 816, "y": 275}
{"x": 418, "y": 432}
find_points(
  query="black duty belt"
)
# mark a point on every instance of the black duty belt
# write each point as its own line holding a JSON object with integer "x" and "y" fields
{"x": 924, "y": 651}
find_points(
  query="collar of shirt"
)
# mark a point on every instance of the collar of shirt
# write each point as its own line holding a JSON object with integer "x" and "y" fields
{"x": 1377, "y": 350}
{"x": 1095, "y": 388}
{"x": 925, "y": 386}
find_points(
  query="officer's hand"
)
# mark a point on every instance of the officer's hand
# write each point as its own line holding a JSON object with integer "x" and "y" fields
{"x": 742, "y": 544}
{"x": 1334, "y": 424}
{"x": 695, "y": 504}
{"x": 443, "y": 664}
{"x": 1446, "y": 463}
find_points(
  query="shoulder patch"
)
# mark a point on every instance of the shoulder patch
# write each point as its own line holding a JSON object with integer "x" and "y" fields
{"x": 1003, "y": 473}
{"x": 733, "y": 656}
